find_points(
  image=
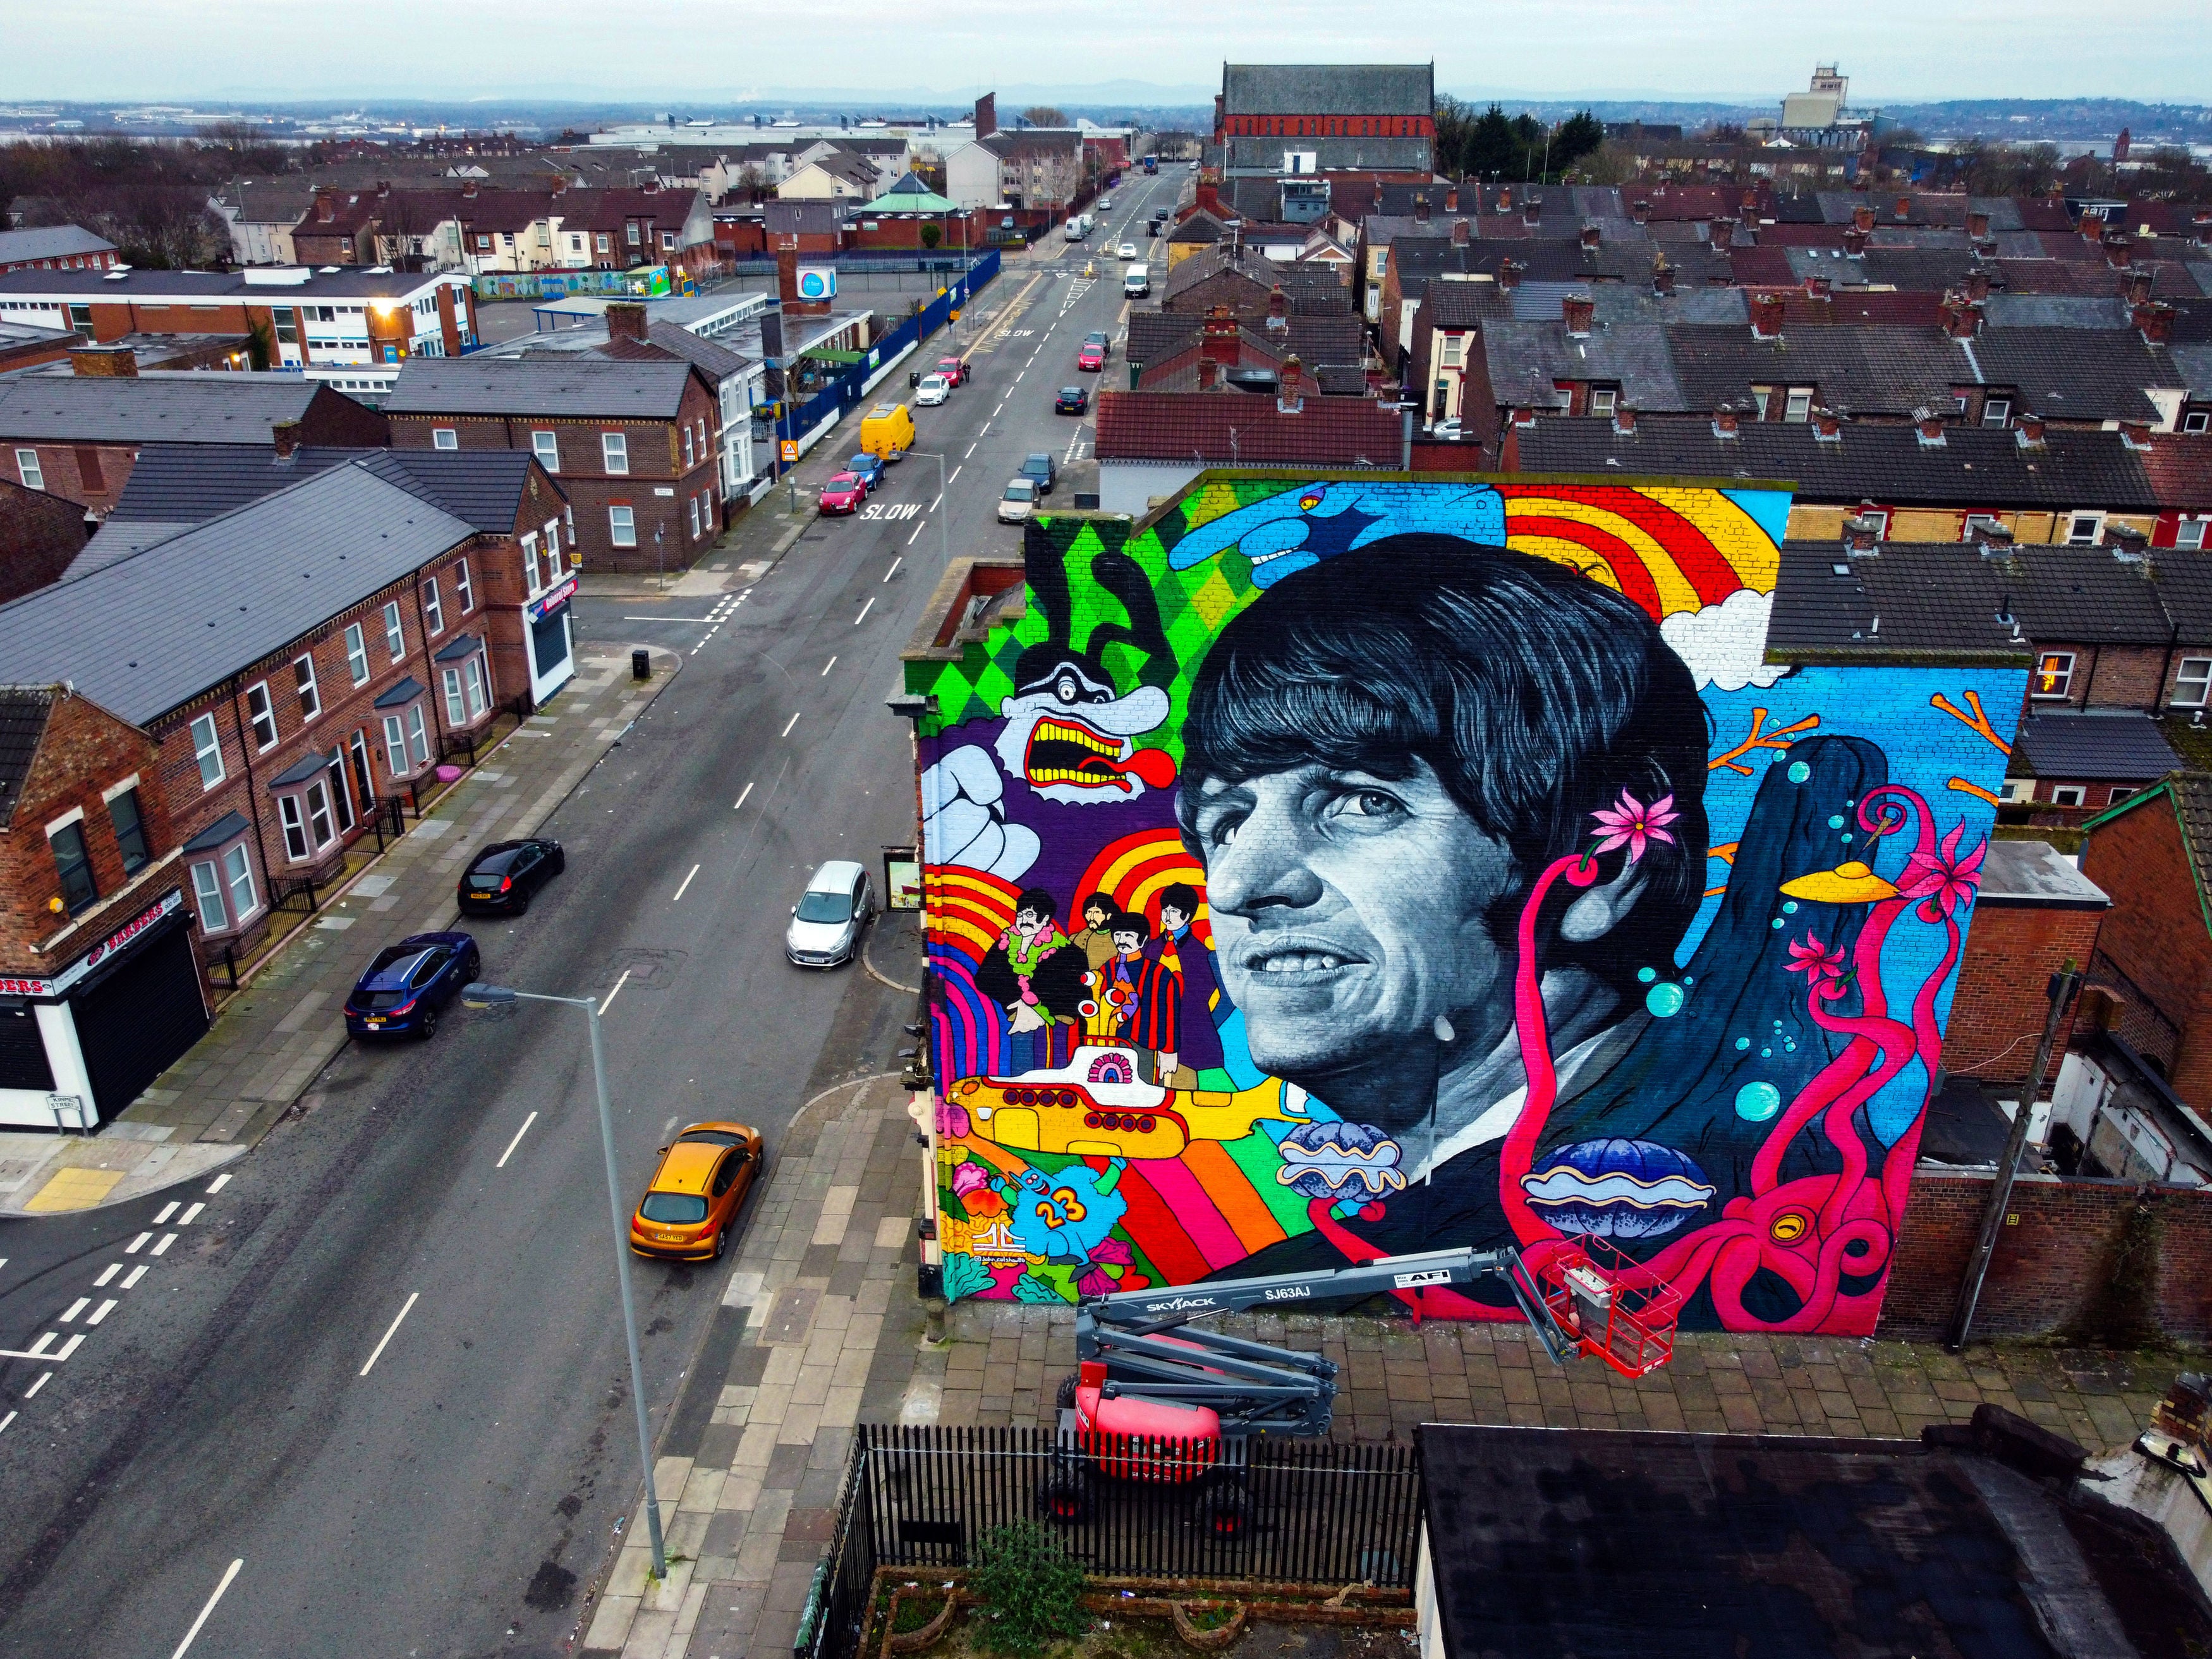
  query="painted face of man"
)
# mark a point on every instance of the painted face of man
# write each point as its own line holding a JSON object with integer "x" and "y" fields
{"x": 1096, "y": 916}
{"x": 1349, "y": 913}
{"x": 1127, "y": 943}
{"x": 1174, "y": 919}
{"x": 1029, "y": 923}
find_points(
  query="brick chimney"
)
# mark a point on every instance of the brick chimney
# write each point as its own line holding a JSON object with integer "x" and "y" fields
{"x": 1977, "y": 286}
{"x": 1378, "y": 196}
{"x": 326, "y": 206}
{"x": 2136, "y": 286}
{"x": 2027, "y": 432}
{"x": 1208, "y": 199}
{"x": 1209, "y": 375}
{"x": 285, "y": 435}
{"x": 2129, "y": 545}
{"x": 1533, "y": 209}
{"x": 2118, "y": 249}
{"x": 1278, "y": 308}
{"x": 1722, "y": 235}
{"x": 1290, "y": 388}
{"x": 787, "y": 286}
{"x": 987, "y": 115}
{"x": 1862, "y": 218}
{"x": 2135, "y": 435}
{"x": 1747, "y": 205}
{"x": 1853, "y": 241}
{"x": 1509, "y": 274}
{"x": 1218, "y": 335}
{"x": 1592, "y": 236}
{"x": 1421, "y": 209}
{"x": 1623, "y": 417}
{"x": 1725, "y": 420}
{"x": 109, "y": 362}
{"x": 1505, "y": 199}
{"x": 1828, "y": 425}
{"x": 2093, "y": 224}
{"x": 1766, "y": 309}
{"x": 1639, "y": 212}
{"x": 1930, "y": 426}
{"x": 1862, "y": 536}
{"x": 469, "y": 190}
{"x": 1451, "y": 199}
{"x": 1904, "y": 209}
{"x": 1663, "y": 276}
{"x": 1821, "y": 288}
{"x": 1576, "y": 311}
{"x": 626, "y": 318}
{"x": 1992, "y": 539}
{"x": 1978, "y": 224}
{"x": 2156, "y": 319}
{"x": 1462, "y": 233}
{"x": 1961, "y": 320}
{"x": 2201, "y": 223}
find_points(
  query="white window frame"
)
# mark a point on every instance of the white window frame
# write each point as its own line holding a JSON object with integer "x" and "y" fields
{"x": 456, "y": 708}
{"x": 443, "y": 437}
{"x": 692, "y": 502}
{"x": 2075, "y": 521}
{"x": 622, "y": 526}
{"x": 1996, "y": 411}
{"x": 434, "y": 608}
{"x": 32, "y": 474}
{"x": 2063, "y": 678}
{"x": 2192, "y": 683}
{"x": 418, "y": 740}
{"x": 310, "y": 694}
{"x": 2061, "y": 792}
{"x": 614, "y": 453}
{"x": 208, "y": 898}
{"x": 461, "y": 583}
{"x": 2193, "y": 530}
{"x": 237, "y": 873}
{"x": 1798, "y": 404}
{"x": 395, "y": 747}
{"x": 207, "y": 749}
{"x": 1604, "y": 400}
{"x": 292, "y": 820}
{"x": 2197, "y": 421}
{"x": 546, "y": 447}
{"x": 476, "y": 685}
{"x": 686, "y": 430}
{"x": 261, "y": 715}
{"x": 395, "y": 632}
{"x": 530, "y": 576}
{"x": 357, "y": 654}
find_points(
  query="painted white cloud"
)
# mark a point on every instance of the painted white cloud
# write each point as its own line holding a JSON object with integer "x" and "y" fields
{"x": 1724, "y": 644}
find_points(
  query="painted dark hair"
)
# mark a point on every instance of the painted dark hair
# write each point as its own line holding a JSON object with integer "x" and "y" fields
{"x": 1183, "y": 897}
{"x": 1096, "y": 901}
{"x": 1037, "y": 901}
{"x": 1536, "y": 695}
{"x": 1128, "y": 921}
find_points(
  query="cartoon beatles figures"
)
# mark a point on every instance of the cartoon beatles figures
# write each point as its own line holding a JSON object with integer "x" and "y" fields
{"x": 1036, "y": 972}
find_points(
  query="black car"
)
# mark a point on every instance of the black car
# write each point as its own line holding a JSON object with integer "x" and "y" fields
{"x": 400, "y": 993}
{"x": 1072, "y": 400}
{"x": 1042, "y": 467}
{"x": 499, "y": 879}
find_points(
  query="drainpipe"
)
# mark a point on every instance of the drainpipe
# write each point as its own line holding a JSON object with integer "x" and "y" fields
{"x": 253, "y": 799}
{"x": 1406, "y": 441}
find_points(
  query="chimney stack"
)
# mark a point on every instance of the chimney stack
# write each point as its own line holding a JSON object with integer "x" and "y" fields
{"x": 1853, "y": 241}
{"x": 1930, "y": 427}
{"x": 1290, "y": 388}
{"x": 1861, "y": 534}
{"x": 987, "y": 115}
{"x": 326, "y": 206}
{"x": 1462, "y": 233}
{"x": 1723, "y": 235}
{"x": 1639, "y": 212}
{"x": 1992, "y": 539}
{"x": 2135, "y": 435}
{"x": 1505, "y": 199}
{"x": 1421, "y": 209}
{"x": 1724, "y": 420}
{"x": 1278, "y": 308}
{"x": 1821, "y": 288}
{"x": 469, "y": 190}
{"x": 1765, "y": 315}
{"x": 2118, "y": 249}
{"x": 1663, "y": 276}
{"x": 1961, "y": 320}
{"x": 1591, "y": 237}
{"x": 1904, "y": 209}
{"x": 1977, "y": 286}
{"x": 2093, "y": 224}
{"x": 1862, "y": 218}
{"x": 1509, "y": 274}
{"x": 1623, "y": 417}
{"x": 1828, "y": 425}
{"x": 2136, "y": 286}
{"x": 1577, "y": 309}
{"x": 1747, "y": 205}
{"x": 1533, "y": 209}
{"x": 2027, "y": 432}
{"x": 2156, "y": 319}
{"x": 285, "y": 435}
{"x": 1209, "y": 375}
{"x": 1451, "y": 199}
{"x": 2201, "y": 223}
{"x": 104, "y": 362}
{"x": 1978, "y": 224}
{"x": 1219, "y": 337}
{"x": 2130, "y": 546}
{"x": 626, "y": 320}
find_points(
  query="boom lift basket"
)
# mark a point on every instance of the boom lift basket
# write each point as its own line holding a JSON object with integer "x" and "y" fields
{"x": 1610, "y": 1305}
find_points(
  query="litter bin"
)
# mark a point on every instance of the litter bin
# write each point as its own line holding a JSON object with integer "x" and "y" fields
{"x": 640, "y": 663}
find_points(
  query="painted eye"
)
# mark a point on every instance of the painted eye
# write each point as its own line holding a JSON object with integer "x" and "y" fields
{"x": 1066, "y": 689}
{"x": 1307, "y": 503}
{"x": 1787, "y": 1228}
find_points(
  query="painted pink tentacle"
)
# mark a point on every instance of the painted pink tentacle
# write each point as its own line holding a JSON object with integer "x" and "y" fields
{"x": 1872, "y": 821}
{"x": 1832, "y": 1080}
{"x": 1895, "y": 1041}
{"x": 1519, "y": 1152}
{"x": 1897, "y": 1167}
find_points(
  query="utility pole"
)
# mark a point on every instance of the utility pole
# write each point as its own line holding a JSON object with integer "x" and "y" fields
{"x": 2064, "y": 986}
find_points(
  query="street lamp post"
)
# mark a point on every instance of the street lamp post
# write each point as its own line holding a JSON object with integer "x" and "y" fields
{"x": 479, "y": 994}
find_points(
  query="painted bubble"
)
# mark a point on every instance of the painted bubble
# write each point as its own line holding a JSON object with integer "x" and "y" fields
{"x": 1742, "y": 1043}
{"x": 1755, "y": 1103}
{"x": 1835, "y": 822}
{"x": 1789, "y": 906}
{"x": 1664, "y": 1001}
{"x": 1647, "y": 975}
{"x": 1799, "y": 771}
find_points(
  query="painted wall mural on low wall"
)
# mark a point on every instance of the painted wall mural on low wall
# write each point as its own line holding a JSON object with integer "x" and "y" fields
{"x": 1343, "y": 867}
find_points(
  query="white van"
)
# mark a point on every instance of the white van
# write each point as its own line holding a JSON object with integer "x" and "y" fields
{"x": 1136, "y": 281}
{"x": 1078, "y": 228}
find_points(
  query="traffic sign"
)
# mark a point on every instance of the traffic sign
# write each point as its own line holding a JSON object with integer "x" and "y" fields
{"x": 790, "y": 452}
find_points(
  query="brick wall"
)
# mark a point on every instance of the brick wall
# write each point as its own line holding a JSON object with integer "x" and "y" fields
{"x": 2156, "y": 932}
{"x": 2049, "y": 1262}
{"x": 40, "y": 534}
{"x": 90, "y": 475}
{"x": 1997, "y": 1009}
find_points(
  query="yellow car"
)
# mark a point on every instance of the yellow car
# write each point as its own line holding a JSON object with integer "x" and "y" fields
{"x": 1094, "y": 1105}
{"x": 692, "y": 1201}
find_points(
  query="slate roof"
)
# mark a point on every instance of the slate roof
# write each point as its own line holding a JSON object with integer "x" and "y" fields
{"x": 152, "y": 631}
{"x": 2055, "y": 311}
{"x": 1527, "y": 359}
{"x": 1327, "y": 89}
{"x": 152, "y": 287}
{"x": 23, "y": 712}
{"x": 153, "y": 407}
{"x": 586, "y": 387}
{"x": 2125, "y": 746}
{"x": 176, "y": 485}
{"x": 1156, "y": 336}
{"x": 1870, "y": 370}
{"x": 1975, "y": 467}
{"x": 51, "y": 242}
{"x": 2077, "y": 373}
{"x": 2180, "y": 468}
{"x": 1246, "y": 430}
{"x": 1469, "y": 305}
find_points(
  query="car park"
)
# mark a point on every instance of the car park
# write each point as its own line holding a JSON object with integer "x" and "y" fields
{"x": 827, "y": 921}
{"x": 843, "y": 494}
{"x": 1042, "y": 467}
{"x": 691, "y": 1203}
{"x": 404, "y": 988}
{"x": 867, "y": 468}
{"x": 1089, "y": 357}
{"x": 501, "y": 879}
{"x": 1072, "y": 400}
{"x": 955, "y": 371}
{"x": 1019, "y": 501}
{"x": 933, "y": 391}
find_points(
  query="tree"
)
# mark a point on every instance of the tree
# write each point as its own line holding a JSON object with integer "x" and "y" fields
{"x": 1492, "y": 148}
{"x": 1578, "y": 136}
{"x": 932, "y": 234}
{"x": 1044, "y": 115}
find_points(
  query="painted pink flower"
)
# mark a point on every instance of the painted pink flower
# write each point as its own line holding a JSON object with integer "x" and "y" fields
{"x": 952, "y": 1120}
{"x": 1114, "y": 1250}
{"x": 1823, "y": 969}
{"x": 1094, "y": 1283}
{"x": 1632, "y": 824}
{"x": 1942, "y": 880}
{"x": 967, "y": 1177}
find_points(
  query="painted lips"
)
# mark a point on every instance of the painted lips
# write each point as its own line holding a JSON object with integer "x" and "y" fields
{"x": 1069, "y": 752}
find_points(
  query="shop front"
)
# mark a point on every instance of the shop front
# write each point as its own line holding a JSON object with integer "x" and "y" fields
{"x": 552, "y": 656}
{"x": 78, "y": 1046}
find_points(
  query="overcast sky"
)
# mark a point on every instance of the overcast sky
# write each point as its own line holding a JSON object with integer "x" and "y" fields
{"x": 706, "y": 50}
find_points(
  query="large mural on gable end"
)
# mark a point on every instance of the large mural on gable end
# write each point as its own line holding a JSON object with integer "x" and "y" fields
{"x": 1337, "y": 867}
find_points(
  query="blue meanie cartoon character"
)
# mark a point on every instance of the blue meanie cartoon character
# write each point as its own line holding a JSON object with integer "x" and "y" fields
{"x": 1301, "y": 527}
{"x": 1063, "y": 1216}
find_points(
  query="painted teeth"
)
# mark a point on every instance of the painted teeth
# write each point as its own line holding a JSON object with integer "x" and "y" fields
{"x": 1065, "y": 774}
{"x": 1054, "y": 732}
{"x": 1315, "y": 962}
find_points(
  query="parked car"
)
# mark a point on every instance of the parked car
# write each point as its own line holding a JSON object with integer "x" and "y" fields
{"x": 1042, "y": 467}
{"x": 933, "y": 389}
{"x": 1446, "y": 431}
{"x": 698, "y": 1186}
{"x": 499, "y": 879}
{"x": 1127, "y": 250}
{"x": 1102, "y": 339}
{"x": 1072, "y": 400}
{"x": 1105, "y": 204}
{"x": 1019, "y": 501}
{"x": 843, "y": 494}
{"x": 1089, "y": 355}
{"x": 868, "y": 469}
{"x": 401, "y": 992}
{"x": 826, "y": 922}
{"x": 954, "y": 370}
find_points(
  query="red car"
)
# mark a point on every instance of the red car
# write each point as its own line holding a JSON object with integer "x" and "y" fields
{"x": 1093, "y": 357}
{"x": 954, "y": 370}
{"x": 844, "y": 494}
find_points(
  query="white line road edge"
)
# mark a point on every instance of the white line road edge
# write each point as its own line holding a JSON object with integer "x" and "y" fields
{"x": 612, "y": 994}
{"x": 229, "y": 1573}
{"x": 391, "y": 1331}
{"x": 516, "y": 1142}
{"x": 739, "y": 804}
{"x": 678, "y": 895}
{"x": 788, "y": 723}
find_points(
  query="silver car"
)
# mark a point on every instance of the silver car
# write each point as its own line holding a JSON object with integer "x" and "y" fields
{"x": 826, "y": 922}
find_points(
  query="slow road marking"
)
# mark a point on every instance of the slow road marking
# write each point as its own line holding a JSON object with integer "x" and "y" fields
{"x": 391, "y": 1331}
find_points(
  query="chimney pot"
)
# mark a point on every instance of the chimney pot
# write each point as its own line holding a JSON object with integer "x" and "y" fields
{"x": 2028, "y": 433}
{"x": 625, "y": 321}
{"x": 1592, "y": 236}
{"x": 1623, "y": 417}
{"x": 1722, "y": 235}
{"x": 1862, "y": 218}
{"x": 2156, "y": 319}
{"x": 1725, "y": 420}
{"x": 108, "y": 362}
{"x": 1766, "y": 316}
{"x": 1853, "y": 241}
{"x": 1861, "y": 534}
{"x": 285, "y": 435}
{"x": 1576, "y": 311}
{"x": 1509, "y": 274}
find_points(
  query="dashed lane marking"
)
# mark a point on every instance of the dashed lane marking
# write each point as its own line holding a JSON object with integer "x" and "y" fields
{"x": 219, "y": 1183}
{"x": 678, "y": 895}
{"x": 162, "y": 1249}
{"x": 738, "y": 805}
{"x": 134, "y": 1276}
{"x": 910, "y": 540}
{"x": 137, "y": 1244}
{"x": 516, "y": 1142}
{"x": 864, "y": 608}
{"x": 76, "y": 1308}
{"x": 103, "y": 1311}
{"x": 612, "y": 994}
{"x": 826, "y": 667}
{"x": 45, "y": 1377}
{"x": 161, "y": 1216}
{"x": 788, "y": 723}
{"x": 377, "y": 1353}
{"x": 893, "y": 571}
{"x": 191, "y": 1215}
{"x": 107, "y": 1274}
{"x": 229, "y": 1573}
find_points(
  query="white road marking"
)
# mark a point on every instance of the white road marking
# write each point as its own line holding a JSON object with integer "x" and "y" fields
{"x": 516, "y": 1142}
{"x": 740, "y": 801}
{"x": 687, "y": 882}
{"x": 950, "y": 482}
{"x": 681, "y": 619}
{"x": 1071, "y": 443}
{"x": 1018, "y": 377}
{"x": 137, "y": 1244}
{"x": 910, "y": 540}
{"x": 940, "y": 501}
{"x": 163, "y": 1216}
{"x": 999, "y": 410}
{"x": 76, "y": 1308}
{"x": 900, "y": 559}
{"x": 788, "y": 723}
{"x": 134, "y": 1275}
{"x": 75, "y": 1341}
{"x": 219, "y": 1183}
{"x": 229, "y": 1573}
{"x": 45, "y": 1377}
{"x": 107, "y": 1274}
{"x": 390, "y": 1332}
{"x": 864, "y": 608}
{"x": 826, "y": 667}
{"x": 188, "y": 1217}
{"x": 5, "y": 1421}
{"x": 162, "y": 1249}
{"x": 103, "y": 1311}
{"x": 612, "y": 994}
{"x": 971, "y": 455}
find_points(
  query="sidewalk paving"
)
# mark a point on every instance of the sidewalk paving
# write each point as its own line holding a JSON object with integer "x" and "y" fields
{"x": 267, "y": 1045}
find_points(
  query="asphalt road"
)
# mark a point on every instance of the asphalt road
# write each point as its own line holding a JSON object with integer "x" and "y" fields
{"x": 381, "y": 1366}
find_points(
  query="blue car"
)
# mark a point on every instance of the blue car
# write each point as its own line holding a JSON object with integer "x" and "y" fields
{"x": 868, "y": 469}
{"x": 407, "y": 985}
